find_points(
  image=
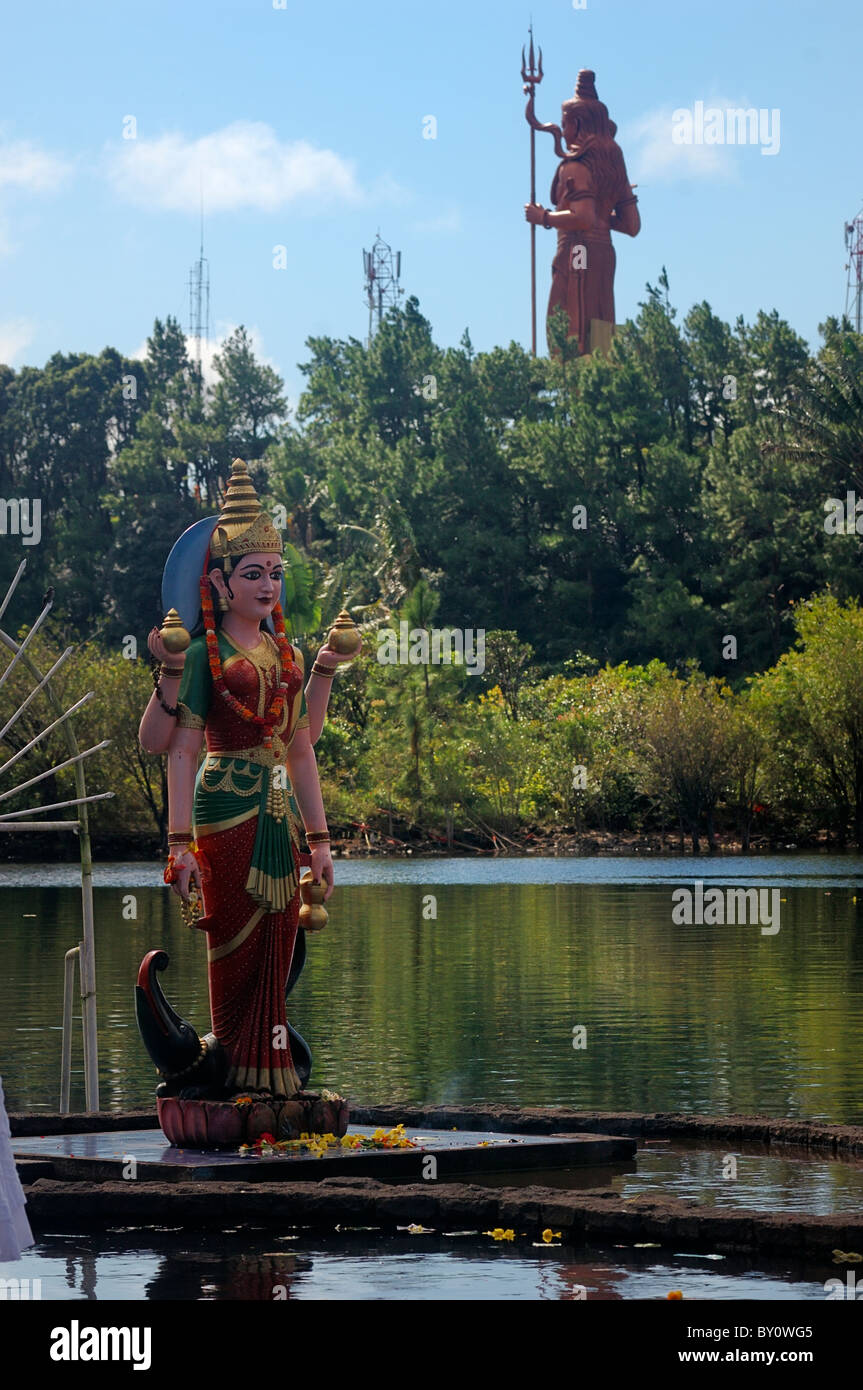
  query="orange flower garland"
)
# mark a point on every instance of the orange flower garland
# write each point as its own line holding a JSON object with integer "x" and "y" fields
{"x": 291, "y": 678}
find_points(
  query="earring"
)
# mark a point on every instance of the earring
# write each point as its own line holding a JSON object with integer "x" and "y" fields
{"x": 223, "y": 604}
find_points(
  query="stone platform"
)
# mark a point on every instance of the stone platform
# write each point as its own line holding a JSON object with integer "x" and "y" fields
{"x": 102, "y": 1156}
{"x": 206, "y": 1191}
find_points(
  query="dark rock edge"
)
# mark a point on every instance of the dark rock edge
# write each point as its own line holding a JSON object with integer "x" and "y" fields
{"x": 832, "y": 1139}
{"x": 580, "y": 1218}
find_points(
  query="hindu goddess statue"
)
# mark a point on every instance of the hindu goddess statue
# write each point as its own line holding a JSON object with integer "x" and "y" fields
{"x": 592, "y": 198}
{"x": 236, "y": 821}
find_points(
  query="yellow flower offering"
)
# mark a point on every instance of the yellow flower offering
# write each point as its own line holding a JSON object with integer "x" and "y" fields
{"x": 548, "y": 1234}
{"x": 316, "y": 1145}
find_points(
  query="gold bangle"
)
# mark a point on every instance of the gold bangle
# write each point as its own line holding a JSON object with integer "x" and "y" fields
{"x": 180, "y": 837}
{"x": 326, "y": 671}
{"x": 170, "y": 673}
{"x": 318, "y": 837}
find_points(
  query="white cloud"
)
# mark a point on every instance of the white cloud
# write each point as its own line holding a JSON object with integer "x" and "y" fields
{"x": 244, "y": 165}
{"x": 15, "y": 336}
{"x": 214, "y": 345}
{"x": 652, "y": 154}
{"x": 446, "y": 224}
{"x": 24, "y": 165}
{"x": 386, "y": 189}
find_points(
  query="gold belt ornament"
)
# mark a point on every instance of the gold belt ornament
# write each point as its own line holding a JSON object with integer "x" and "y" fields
{"x": 221, "y": 773}
{"x": 226, "y": 765}
{"x": 264, "y": 757}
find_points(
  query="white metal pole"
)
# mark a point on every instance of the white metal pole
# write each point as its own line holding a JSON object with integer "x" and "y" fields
{"x": 88, "y": 986}
{"x": 66, "y": 1051}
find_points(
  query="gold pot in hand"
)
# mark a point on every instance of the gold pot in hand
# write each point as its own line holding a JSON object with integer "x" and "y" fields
{"x": 313, "y": 914}
{"x": 344, "y": 635}
{"x": 174, "y": 636}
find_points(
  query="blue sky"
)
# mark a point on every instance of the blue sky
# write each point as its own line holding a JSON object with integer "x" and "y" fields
{"x": 305, "y": 124}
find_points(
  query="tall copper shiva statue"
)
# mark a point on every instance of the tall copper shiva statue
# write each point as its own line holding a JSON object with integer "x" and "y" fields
{"x": 236, "y": 827}
{"x": 591, "y": 197}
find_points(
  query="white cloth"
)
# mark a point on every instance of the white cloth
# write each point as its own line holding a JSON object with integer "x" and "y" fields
{"x": 15, "y": 1231}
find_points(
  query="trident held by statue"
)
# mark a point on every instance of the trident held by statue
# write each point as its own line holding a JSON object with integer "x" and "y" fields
{"x": 531, "y": 76}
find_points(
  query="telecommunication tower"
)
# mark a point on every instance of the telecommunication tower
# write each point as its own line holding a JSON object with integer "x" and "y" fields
{"x": 383, "y": 268}
{"x": 854, "y": 290}
{"x": 199, "y": 303}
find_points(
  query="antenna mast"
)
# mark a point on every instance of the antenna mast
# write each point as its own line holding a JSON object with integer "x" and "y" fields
{"x": 199, "y": 303}
{"x": 854, "y": 287}
{"x": 382, "y": 267}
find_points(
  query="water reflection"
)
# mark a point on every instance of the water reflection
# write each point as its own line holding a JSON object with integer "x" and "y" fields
{"x": 81, "y": 1273}
{"x": 751, "y": 1176}
{"x": 479, "y": 1004}
{"x": 136, "y": 1265}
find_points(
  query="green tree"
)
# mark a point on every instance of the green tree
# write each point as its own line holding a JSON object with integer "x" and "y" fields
{"x": 687, "y": 751}
{"x": 811, "y": 708}
{"x": 507, "y": 664}
{"x": 248, "y": 400}
{"x": 64, "y": 424}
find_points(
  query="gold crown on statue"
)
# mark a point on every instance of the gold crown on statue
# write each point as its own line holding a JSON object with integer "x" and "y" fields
{"x": 243, "y": 527}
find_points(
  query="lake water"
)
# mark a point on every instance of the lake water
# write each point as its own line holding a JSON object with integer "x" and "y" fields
{"x": 462, "y": 980}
